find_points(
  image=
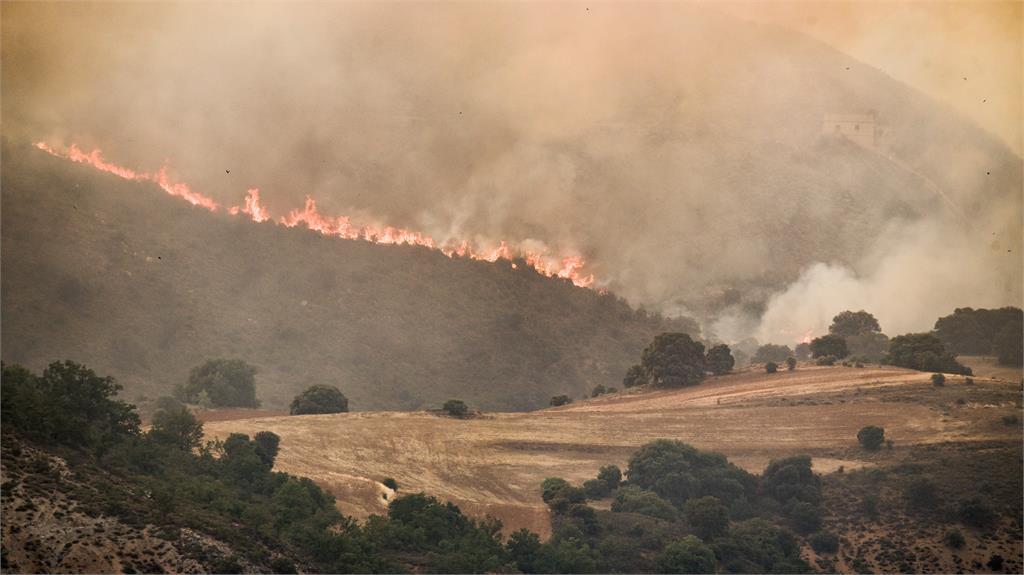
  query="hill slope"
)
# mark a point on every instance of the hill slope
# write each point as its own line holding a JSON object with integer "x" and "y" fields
{"x": 494, "y": 464}
{"x": 142, "y": 286}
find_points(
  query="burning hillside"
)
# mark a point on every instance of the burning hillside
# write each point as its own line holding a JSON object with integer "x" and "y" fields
{"x": 566, "y": 267}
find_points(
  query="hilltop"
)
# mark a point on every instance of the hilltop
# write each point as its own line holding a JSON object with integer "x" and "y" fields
{"x": 144, "y": 287}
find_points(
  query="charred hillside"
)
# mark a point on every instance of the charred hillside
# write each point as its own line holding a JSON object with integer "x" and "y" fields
{"x": 140, "y": 285}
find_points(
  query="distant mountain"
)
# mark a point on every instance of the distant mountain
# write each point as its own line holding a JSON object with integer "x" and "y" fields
{"x": 134, "y": 283}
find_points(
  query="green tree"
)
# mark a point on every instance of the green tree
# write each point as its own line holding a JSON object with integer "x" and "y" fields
{"x": 455, "y": 408}
{"x": 266, "y": 444}
{"x": 634, "y": 376}
{"x": 790, "y": 363}
{"x": 633, "y": 499}
{"x": 559, "y": 400}
{"x": 1008, "y": 344}
{"x": 871, "y": 437}
{"x": 791, "y": 479}
{"x": 176, "y": 426}
{"x": 610, "y": 474}
{"x": 829, "y": 345}
{"x": 673, "y": 360}
{"x": 708, "y": 517}
{"x": 319, "y": 399}
{"x": 227, "y": 382}
{"x": 771, "y": 352}
{"x": 677, "y": 471}
{"x": 805, "y": 517}
{"x": 923, "y": 352}
{"x": 688, "y": 555}
{"x": 938, "y": 380}
{"x": 771, "y": 367}
{"x": 719, "y": 360}
{"x": 851, "y": 323}
{"x": 524, "y": 548}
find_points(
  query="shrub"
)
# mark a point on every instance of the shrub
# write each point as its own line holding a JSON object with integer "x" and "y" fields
{"x": 596, "y": 489}
{"x": 968, "y": 381}
{"x": 688, "y": 555}
{"x": 455, "y": 408}
{"x": 719, "y": 360}
{"x": 790, "y": 363}
{"x": 954, "y": 539}
{"x": 708, "y": 517}
{"x": 634, "y": 376}
{"x": 938, "y": 380}
{"x": 673, "y": 360}
{"x": 921, "y": 493}
{"x": 825, "y": 360}
{"x": 829, "y": 345}
{"x": 560, "y": 495}
{"x": 995, "y": 562}
{"x": 770, "y": 352}
{"x": 871, "y": 437}
{"x": 560, "y": 400}
{"x": 390, "y": 483}
{"x": 227, "y": 383}
{"x": 771, "y": 367}
{"x": 805, "y": 517}
{"x": 975, "y": 512}
{"x": 598, "y": 390}
{"x": 1011, "y": 420}
{"x": 824, "y": 542}
{"x": 610, "y": 474}
{"x": 319, "y": 399}
{"x": 791, "y": 479}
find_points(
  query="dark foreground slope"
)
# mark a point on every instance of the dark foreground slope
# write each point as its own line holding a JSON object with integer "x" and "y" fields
{"x": 142, "y": 286}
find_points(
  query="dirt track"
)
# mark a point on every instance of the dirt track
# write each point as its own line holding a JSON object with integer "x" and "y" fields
{"x": 494, "y": 463}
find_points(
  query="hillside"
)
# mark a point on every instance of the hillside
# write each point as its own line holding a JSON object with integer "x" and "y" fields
{"x": 142, "y": 286}
{"x": 494, "y": 464}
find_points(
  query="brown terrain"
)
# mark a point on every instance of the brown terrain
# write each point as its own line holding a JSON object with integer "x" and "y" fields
{"x": 493, "y": 463}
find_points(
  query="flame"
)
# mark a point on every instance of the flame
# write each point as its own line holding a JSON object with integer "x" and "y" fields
{"x": 807, "y": 336}
{"x": 567, "y": 267}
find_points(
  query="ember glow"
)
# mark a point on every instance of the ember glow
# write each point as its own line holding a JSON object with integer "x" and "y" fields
{"x": 566, "y": 267}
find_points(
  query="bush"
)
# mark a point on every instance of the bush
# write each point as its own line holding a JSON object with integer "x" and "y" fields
{"x": 390, "y": 483}
{"x": 805, "y": 517}
{"x": 826, "y": 360}
{"x": 954, "y": 539}
{"x": 975, "y": 512}
{"x": 598, "y": 390}
{"x": 968, "y": 381}
{"x": 771, "y": 367}
{"x": 995, "y": 562}
{"x": 560, "y": 400}
{"x": 634, "y": 376}
{"x": 791, "y": 479}
{"x": 790, "y": 363}
{"x": 319, "y": 399}
{"x": 719, "y": 360}
{"x": 824, "y": 542}
{"x": 227, "y": 383}
{"x": 871, "y": 437}
{"x": 707, "y": 516}
{"x": 921, "y": 493}
{"x": 673, "y": 360}
{"x": 1011, "y": 420}
{"x": 610, "y": 474}
{"x": 455, "y": 408}
{"x": 938, "y": 380}
{"x": 688, "y": 555}
{"x": 829, "y": 345}
{"x": 772, "y": 353}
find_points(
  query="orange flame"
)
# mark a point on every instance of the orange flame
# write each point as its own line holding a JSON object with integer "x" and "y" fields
{"x": 568, "y": 267}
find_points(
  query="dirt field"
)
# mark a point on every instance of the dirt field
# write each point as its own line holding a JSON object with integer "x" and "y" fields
{"x": 494, "y": 463}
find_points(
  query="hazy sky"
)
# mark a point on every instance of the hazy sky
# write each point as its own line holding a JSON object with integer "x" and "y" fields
{"x": 965, "y": 54}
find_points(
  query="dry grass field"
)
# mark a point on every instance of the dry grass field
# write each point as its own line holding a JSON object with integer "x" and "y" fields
{"x": 493, "y": 463}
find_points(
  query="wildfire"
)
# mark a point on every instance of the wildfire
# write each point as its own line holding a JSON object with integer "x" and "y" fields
{"x": 567, "y": 267}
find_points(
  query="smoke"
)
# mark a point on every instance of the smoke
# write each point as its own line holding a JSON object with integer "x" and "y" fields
{"x": 680, "y": 151}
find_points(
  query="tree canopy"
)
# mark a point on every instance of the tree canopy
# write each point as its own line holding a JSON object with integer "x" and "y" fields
{"x": 829, "y": 345}
{"x": 672, "y": 360}
{"x": 719, "y": 360}
{"x": 771, "y": 352}
{"x": 227, "y": 383}
{"x": 923, "y": 352}
{"x": 850, "y": 323}
{"x": 319, "y": 399}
